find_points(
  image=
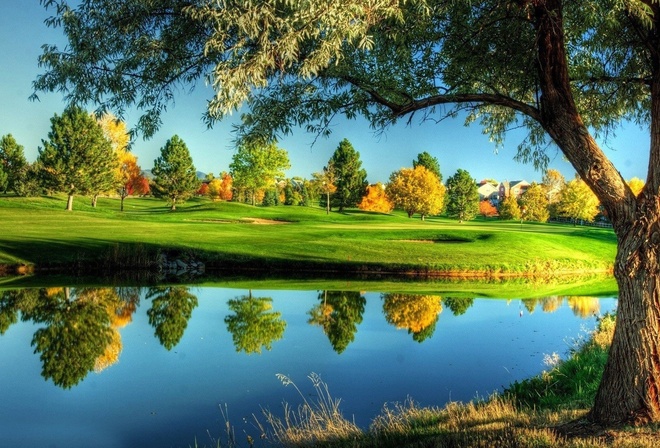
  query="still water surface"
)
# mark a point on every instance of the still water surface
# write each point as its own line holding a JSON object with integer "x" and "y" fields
{"x": 127, "y": 367}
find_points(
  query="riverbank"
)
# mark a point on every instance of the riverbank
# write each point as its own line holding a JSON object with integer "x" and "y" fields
{"x": 544, "y": 411}
{"x": 40, "y": 237}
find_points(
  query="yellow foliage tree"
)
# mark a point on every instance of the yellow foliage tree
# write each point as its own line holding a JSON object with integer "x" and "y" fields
{"x": 583, "y": 306}
{"x": 376, "y": 200}
{"x": 416, "y": 190}
{"x": 577, "y": 201}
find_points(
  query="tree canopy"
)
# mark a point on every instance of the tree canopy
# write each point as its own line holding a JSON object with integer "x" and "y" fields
{"x": 462, "y": 196}
{"x": 350, "y": 178}
{"x": 256, "y": 166}
{"x": 175, "y": 176}
{"x": 416, "y": 190}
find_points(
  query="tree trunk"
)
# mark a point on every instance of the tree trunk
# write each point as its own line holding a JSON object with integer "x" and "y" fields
{"x": 630, "y": 388}
{"x": 69, "y": 203}
{"x": 121, "y": 203}
{"x": 173, "y": 204}
{"x": 94, "y": 199}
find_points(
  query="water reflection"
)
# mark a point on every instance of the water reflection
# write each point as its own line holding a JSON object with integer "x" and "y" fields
{"x": 416, "y": 313}
{"x": 79, "y": 327}
{"x": 171, "y": 308}
{"x": 253, "y": 325}
{"x": 338, "y": 314}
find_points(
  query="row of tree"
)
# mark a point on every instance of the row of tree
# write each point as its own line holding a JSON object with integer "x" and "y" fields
{"x": 89, "y": 156}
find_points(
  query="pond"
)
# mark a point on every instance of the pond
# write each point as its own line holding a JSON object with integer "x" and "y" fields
{"x": 168, "y": 366}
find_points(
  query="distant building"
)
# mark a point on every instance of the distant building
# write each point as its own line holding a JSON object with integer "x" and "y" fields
{"x": 515, "y": 188}
{"x": 487, "y": 191}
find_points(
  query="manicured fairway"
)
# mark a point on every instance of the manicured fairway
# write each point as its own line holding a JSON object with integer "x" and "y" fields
{"x": 39, "y": 232}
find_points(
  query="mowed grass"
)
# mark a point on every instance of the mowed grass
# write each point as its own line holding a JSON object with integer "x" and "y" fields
{"x": 38, "y": 231}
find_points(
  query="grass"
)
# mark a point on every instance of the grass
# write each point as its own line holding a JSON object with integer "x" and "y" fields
{"x": 545, "y": 411}
{"x": 38, "y": 232}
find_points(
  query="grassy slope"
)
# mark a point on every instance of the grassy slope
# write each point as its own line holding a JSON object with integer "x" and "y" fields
{"x": 38, "y": 231}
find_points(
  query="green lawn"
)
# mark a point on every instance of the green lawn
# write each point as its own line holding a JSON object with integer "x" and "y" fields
{"x": 38, "y": 231}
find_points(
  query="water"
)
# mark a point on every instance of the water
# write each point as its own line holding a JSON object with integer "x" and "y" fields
{"x": 150, "y": 396}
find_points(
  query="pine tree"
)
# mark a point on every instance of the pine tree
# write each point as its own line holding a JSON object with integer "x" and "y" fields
{"x": 175, "y": 175}
{"x": 351, "y": 178}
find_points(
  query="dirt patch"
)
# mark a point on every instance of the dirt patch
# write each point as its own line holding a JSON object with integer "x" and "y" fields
{"x": 264, "y": 221}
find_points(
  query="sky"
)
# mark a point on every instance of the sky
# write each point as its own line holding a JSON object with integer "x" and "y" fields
{"x": 23, "y": 32}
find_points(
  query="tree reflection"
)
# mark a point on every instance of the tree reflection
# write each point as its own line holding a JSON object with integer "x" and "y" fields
{"x": 416, "y": 313}
{"x": 171, "y": 308}
{"x": 253, "y": 325}
{"x": 551, "y": 304}
{"x": 458, "y": 305}
{"x": 584, "y": 306}
{"x": 77, "y": 332}
{"x": 339, "y": 314}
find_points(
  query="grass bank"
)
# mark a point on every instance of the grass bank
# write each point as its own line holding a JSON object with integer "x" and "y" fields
{"x": 545, "y": 411}
{"x": 39, "y": 234}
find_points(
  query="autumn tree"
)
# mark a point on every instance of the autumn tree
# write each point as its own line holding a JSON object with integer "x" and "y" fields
{"x": 510, "y": 209}
{"x": 325, "y": 181}
{"x": 534, "y": 204}
{"x": 577, "y": 201}
{"x": 429, "y": 162}
{"x": 462, "y": 196}
{"x": 256, "y": 166}
{"x": 487, "y": 209}
{"x": 561, "y": 70}
{"x": 220, "y": 188}
{"x": 76, "y": 158}
{"x": 636, "y": 185}
{"x": 416, "y": 190}
{"x": 12, "y": 163}
{"x": 175, "y": 176}
{"x": 129, "y": 178}
{"x": 350, "y": 178}
{"x": 376, "y": 199}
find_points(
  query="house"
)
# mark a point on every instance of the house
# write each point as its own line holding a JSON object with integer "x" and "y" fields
{"x": 514, "y": 188}
{"x": 487, "y": 191}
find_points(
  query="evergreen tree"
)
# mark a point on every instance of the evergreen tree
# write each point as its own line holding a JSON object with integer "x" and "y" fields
{"x": 175, "y": 176}
{"x": 12, "y": 163}
{"x": 351, "y": 178}
{"x": 77, "y": 157}
{"x": 462, "y": 196}
{"x": 429, "y": 162}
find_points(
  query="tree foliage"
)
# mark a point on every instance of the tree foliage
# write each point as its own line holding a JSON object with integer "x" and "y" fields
{"x": 76, "y": 158}
{"x": 256, "y": 166}
{"x": 12, "y": 163}
{"x": 416, "y": 190}
{"x": 338, "y": 313}
{"x": 175, "y": 176}
{"x": 510, "y": 209}
{"x": 577, "y": 201}
{"x": 221, "y": 188}
{"x": 487, "y": 209}
{"x": 350, "y": 178}
{"x": 534, "y": 204}
{"x": 429, "y": 162}
{"x": 462, "y": 196}
{"x": 376, "y": 199}
{"x": 171, "y": 309}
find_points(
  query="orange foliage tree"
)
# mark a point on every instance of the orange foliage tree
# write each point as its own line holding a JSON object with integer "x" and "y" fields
{"x": 376, "y": 200}
{"x": 486, "y": 208}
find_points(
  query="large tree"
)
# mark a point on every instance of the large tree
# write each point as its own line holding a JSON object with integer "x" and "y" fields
{"x": 462, "y": 196}
{"x": 350, "y": 177}
{"x": 563, "y": 70}
{"x": 256, "y": 166}
{"x": 416, "y": 190}
{"x": 76, "y": 158}
{"x": 175, "y": 176}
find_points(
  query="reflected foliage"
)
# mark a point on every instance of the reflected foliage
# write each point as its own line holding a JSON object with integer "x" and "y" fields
{"x": 458, "y": 305}
{"x": 77, "y": 332}
{"x": 416, "y": 313}
{"x": 584, "y": 306}
{"x": 171, "y": 308}
{"x": 339, "y": 314}
{"x": 253, "y": 325}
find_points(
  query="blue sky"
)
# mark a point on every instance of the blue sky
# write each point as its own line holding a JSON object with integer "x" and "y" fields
{"x": 23, "y": 32}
